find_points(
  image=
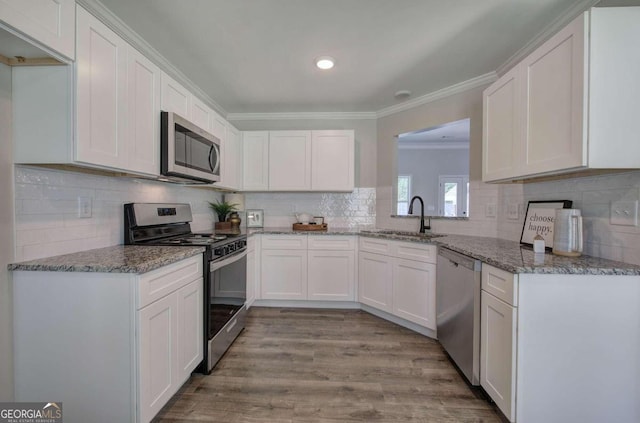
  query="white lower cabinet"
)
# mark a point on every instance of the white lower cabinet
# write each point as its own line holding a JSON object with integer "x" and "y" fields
{"x": 414, "y": 287}
{"x": 392, "y": 283}
{"x": 497, "y": 356}
{"x": 138, "y": 337}
{"x": 252, "y": 269}
{"x": 284, "y": 274}
{"x": 313, "y": 267}
{"x": 331, "y": 275}
{"x": 375, "y": 273}
{"x": 157, "y": 354}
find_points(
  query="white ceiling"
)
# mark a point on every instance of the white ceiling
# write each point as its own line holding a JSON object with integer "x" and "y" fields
{"x": 258, "y": 55}
{"x": 453, "y": 135}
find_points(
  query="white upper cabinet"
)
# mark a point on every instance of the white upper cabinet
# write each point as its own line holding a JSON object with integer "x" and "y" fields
{"x": 49, "y": 22}
{"x": 568, "y": 106}
{"x": 552, "y": 79}
{"x": 299, "y": 160}
{"x": 101, "y": 94}
{"x": 201, "y": 114}
{"x": 255, "y": 154}
{"x": 143, "y": 114}
{"x": 231, "y": 172}
{"x": 175, "y": 98}
{"x": 290, "y": 160}
{"x": 332, "y": 160}
{"x": 500, "y": 127}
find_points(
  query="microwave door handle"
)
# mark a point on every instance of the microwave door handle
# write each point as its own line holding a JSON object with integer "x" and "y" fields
{"x": 214, "y": 167}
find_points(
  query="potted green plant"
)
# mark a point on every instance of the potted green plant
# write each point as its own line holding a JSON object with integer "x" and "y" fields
{"x": 222, "y": 209}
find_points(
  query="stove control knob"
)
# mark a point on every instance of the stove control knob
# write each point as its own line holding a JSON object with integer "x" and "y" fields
{"x": 218, "y": 252}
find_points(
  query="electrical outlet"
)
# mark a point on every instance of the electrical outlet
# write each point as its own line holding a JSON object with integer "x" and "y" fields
{"x": 512, "y": 211}
{"x": 84, "y": 207}
{"x": 624, "y": 213}
{"x": 490, "y": 210}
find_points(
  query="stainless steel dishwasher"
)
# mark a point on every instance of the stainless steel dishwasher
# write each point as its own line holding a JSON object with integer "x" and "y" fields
{"x": 458, "y": 310}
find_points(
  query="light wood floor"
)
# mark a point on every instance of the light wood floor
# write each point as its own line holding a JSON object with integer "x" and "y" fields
{"x": 302, "y": 365}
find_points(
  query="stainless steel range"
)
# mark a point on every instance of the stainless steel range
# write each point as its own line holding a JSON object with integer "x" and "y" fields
{"x": 225, "y": 264}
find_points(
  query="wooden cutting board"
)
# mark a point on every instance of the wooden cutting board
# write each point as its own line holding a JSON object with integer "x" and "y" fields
{"x": 303, "y": 227}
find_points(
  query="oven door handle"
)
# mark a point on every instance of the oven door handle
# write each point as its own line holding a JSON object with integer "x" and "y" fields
{"x": 227, "y": 260}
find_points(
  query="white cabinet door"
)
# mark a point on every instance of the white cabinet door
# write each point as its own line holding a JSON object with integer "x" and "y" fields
{"x": 231, "y": 172}
{"x": 331, "y": 275}
{"x": 375, "y": 278}
{"x": 414, "y": 292}
{"x": 190, "y": 329}
{"x": 501, "y": 129}
{"x": 332, "y": 160}
{"x": 144, "y": 114}
{"x": 201, "y": 114}
{"x": 101, "y": 94}
{"x": 553, "y": 84}
{"x": 255, "y": 168}
{"x": 174, "y": 97}
{"x": 158, "y": 349}
{"x": 284, "y": 274}
{"x": 51, "y": 22}
{"x": 498, "y": 352}
{"x": 289, "y": 160}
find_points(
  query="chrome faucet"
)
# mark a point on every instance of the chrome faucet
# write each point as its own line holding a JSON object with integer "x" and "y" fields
{"x": 422, "y": 227}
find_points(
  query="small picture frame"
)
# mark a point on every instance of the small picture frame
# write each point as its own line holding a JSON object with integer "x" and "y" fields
{"x": 255, "y": 218}
{"x": 318, "y": 220}
{"x": 539, "y": 219}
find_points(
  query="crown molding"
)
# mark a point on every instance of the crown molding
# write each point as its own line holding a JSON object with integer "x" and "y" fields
{"x": 458, "y": 88}
{"x": 556, "y": 25}
{"x": 302, "y": 116}
{"x": 117, "y": 25}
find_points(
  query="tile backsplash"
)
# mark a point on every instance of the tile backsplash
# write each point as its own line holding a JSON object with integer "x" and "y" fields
{"x": 46, "y": 207}
{"x": 593, "y": 195}
{"x": 340, "y": 210}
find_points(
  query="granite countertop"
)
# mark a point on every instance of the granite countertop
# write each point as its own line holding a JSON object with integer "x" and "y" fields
{"x": 512, "y": 257}
{"x": 290, "y": 231}
{"x": 116, "y": 259}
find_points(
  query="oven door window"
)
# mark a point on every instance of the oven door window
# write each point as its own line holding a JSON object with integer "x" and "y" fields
{"x": 228, "y": 293}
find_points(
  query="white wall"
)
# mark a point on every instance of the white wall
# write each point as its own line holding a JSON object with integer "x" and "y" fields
{"x": 6, "y": 237}
{"x": 46, "y": 209}
{"x": 456, "y": 107}
{"x": 425, "y": 166}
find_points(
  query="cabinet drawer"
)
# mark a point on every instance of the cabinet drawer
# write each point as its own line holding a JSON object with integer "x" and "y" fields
{"x": 375, "y": 245}
{"x": 156, "y": 284}
{"x": 331, "y": 242}
{"x": 414, "y": 251}
{"x": 284, "y": 242}
{"x": 500, "y": 283}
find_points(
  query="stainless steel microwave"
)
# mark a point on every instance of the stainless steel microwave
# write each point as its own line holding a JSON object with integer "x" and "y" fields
{"x": 188, "y": 152}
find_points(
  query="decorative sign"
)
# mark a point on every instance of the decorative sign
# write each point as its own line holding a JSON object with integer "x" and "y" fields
{"x": 539, "y": 220}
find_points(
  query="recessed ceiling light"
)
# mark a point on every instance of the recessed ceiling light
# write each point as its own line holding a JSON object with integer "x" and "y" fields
{"x": 402, "y": 94}
{"x": 325, "y": 62}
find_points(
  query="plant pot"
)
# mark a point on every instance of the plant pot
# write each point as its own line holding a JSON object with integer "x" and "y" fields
{"x": 222, "y": 225}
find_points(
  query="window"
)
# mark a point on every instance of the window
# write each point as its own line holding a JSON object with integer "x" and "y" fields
{"x": 404, "y": 194}
{"x": 454, "y": 196}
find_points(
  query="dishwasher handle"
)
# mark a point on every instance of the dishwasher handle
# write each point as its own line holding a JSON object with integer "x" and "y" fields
{"x": 458, "y": 259}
